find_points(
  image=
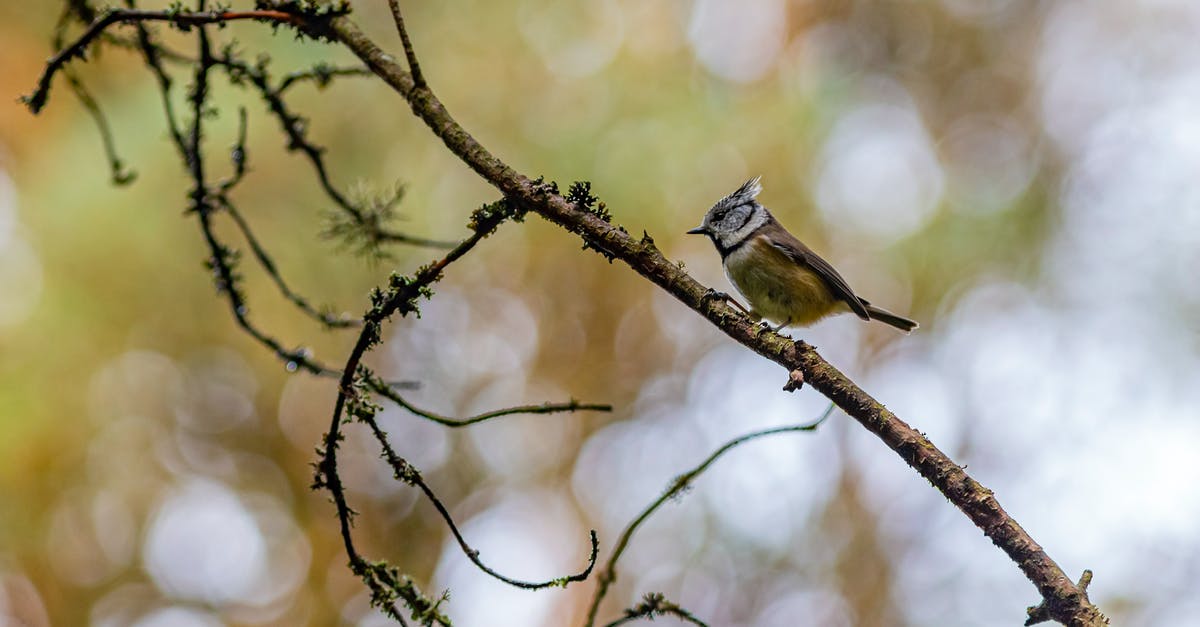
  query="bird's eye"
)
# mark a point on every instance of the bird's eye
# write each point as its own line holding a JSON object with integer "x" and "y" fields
{"x": 720, "y": 215}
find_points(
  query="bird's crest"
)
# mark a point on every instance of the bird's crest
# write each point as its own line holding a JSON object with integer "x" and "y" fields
{"x": 744, "y": 194}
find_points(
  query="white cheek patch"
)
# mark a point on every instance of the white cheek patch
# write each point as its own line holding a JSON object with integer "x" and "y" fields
{"x": 732, "y": 239}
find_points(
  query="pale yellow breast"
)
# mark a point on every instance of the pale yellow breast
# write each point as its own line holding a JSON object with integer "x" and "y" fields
{"x": 778, "y": 288}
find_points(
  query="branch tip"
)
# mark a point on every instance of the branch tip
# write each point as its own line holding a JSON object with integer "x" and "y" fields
{"x": 1045, "y": 611}
{"x": 795, "y": 381}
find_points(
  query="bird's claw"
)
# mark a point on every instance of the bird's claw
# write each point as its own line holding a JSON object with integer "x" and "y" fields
{"x": 711, "y": 294}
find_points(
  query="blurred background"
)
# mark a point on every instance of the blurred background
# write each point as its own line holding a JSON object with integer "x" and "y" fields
{"x": 1019, "y": 176}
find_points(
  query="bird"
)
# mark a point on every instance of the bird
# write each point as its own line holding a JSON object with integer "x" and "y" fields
{"x": 783, "y": 280}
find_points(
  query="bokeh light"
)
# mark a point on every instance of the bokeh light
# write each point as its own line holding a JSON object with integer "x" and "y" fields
{"x": 734, "y": 41}
{"x": 20, "y": 270}
{"x": 878, "y": 173}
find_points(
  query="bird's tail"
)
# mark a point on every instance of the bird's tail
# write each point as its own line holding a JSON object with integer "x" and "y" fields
{"x": 891, "y": 319}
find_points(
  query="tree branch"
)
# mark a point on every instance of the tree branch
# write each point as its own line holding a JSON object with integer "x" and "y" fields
{"x": 404, "y": 471}
{"x": 447, "y": 421}
{"x": 414, "y": 67}
{"x": 309, "y": 20}
{"x": 296, "y": 130}
{"x": 401, "y": 297}
{"x": 37, "y": 99}
{"x": 1065, "y": 601}
{"x": 320, "y": 74}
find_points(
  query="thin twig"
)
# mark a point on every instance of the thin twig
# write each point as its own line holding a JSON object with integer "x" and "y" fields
{"x": 320, "y": 74}
{"x": 544, "y": 408}
{"x": 237, "y": 157}
{"x": 37, "y": 99}
{"x": 293, "y": 125}
{"x": 404, "y": 471}
{"x": 414, "y": 67}
{"x": 653, "y": 605}
{"x": 118, "y": 173}
{"x": 268, "y": 265}
{"x": 608, "y": 574}
{"x": 295, "y": 359}
{"x": 153, "y": 55}
{"x": 296, "y": 130}
{"x": 220, "y": 255}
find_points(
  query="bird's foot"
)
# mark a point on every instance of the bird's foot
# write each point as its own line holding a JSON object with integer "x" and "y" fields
{"x": 712, "y": 294}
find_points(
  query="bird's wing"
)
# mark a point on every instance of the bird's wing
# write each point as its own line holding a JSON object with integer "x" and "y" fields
{"x": 801, "y": 254}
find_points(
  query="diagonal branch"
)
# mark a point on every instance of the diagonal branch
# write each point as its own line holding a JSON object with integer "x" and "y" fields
{"x": 1065, "y": 600}
{"x": 410, "y": 55}
{"x": 327, "y": 319}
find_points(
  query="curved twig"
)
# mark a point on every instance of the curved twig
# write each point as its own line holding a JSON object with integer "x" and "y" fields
{"x": 608, "y": 574}
{"x": 237, "y": 157}
{"x": 401, "y": 297}
{"x": 221, "y": 257}
{"x": 544, "y": 408}
{"x": 296, "y": 128}
{"x": 404, "y": 471}
{"x": 268, "y": 265}
{"x": 319, "y": 74}
{"x": 117, "y": 171}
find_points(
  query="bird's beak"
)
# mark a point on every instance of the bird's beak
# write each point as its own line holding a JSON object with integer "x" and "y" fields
{"x": 700, "y": 230}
